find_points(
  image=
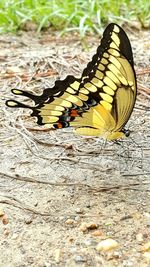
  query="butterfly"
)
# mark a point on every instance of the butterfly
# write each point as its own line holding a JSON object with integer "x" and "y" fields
{"x": 100, "y": 102}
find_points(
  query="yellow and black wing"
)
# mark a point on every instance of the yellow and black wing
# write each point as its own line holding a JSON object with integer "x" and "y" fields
{"x": 101, "y": 101}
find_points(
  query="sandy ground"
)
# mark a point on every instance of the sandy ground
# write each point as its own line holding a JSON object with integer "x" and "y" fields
{"x": 61, "y": 194}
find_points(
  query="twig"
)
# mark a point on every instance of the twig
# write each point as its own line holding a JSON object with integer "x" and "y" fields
{"x": 100, "y": 189}
{"x": 24, "y": 207}
{"x": 120, "y": 187}
{"x": 137, "y": 174}
{"x": 26, "y": 76}
{"x": 143, "y": 71}
{"x": 143, "y": 88}
{"x": 31, "y": 180}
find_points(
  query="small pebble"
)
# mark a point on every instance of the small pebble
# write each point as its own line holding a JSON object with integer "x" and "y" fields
{"x": 77, "y": 218}
{"x": 92, "y": 226}
{"x": 107, "y": 244}
{"x": 83, "y": 227}
{"x": 89, "y": 242}
{"x": 146, "y": 247}
{"x": 97, "y": 233}
{"x": 29, "y": 221}
{"x": 88, "y": 226}
{"x": 79, "y": 258}
{"x": 147, "y": 214}
{"x": 113, "y": 255}
{"x": 73, "y": 249}
{"x": 69, "y": 221}
{"x": 5, "y": 220}
{"x": 57, "y": 255}
{"x": 79, "y": 210}
{"x": 139, "y": 237}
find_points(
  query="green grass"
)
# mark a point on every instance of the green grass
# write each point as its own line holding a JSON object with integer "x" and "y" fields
{"x": 71, "y": 15}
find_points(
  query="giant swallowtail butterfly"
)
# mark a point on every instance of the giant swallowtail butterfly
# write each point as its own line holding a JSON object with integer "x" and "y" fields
{"x": 101, "y": 101}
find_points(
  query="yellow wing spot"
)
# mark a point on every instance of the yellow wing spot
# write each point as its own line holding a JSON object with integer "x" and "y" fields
{"x": 52, "y": 107}
{"x": 129, "y": 71}
{"x": 62, "y": 102}
{"x": 84, "y": 91}
{"x": 72, "y": 99}
{"x": 110, "y": 83}
{"x": 83, "y": 97}
{"x": 114, "y": 52}
{"x": 49, "y": 119}
{"x": 106, "y": 97}
{"x": 46, "y": 112}
{"x": 116, "y": 29}
{"x": 115, "y": 61}
{"x": 11, "y": 103}
{"x": 99, "y": 74}
{"x": 117, "y": 72}
{"x": 106, "y": 105}
{"x": 97, "y": 82}
{"x": 71, "y": 91}
{"x": 115, "y": 38}
{"x": 90, "y": 87}
{"x": 112, "y": 77}
{"x": 113, "y": 45}
{"x": 106, "y": 55}
{"x": 101, "y": 67}
{"x": 17, "y": 92}
{"x": 104, "y": 61}
{"x": 75, "y": 85}
{"x": 108, "y": 90}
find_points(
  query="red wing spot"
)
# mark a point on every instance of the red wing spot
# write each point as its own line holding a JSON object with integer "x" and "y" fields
{"x": 59, "y": 125}
{"x": 74, "y": 113}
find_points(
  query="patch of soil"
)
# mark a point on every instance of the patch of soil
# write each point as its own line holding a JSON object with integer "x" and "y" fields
{"x": 61, "y": 194}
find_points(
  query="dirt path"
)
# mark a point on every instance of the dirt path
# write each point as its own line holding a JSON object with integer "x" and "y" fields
{"x": 61, "y": 194}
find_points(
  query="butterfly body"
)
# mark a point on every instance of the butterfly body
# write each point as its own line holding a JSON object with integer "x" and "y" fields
{"x": 101, "y": 101}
